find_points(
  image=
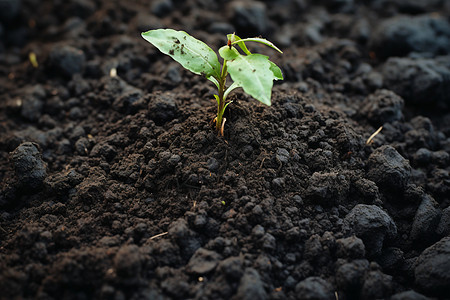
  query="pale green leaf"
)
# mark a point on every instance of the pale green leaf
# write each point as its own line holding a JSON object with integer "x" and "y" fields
{"x": 217, "y": 99}
{"x": 214, "y": 80}
{"x": 258, "y": 40}
{"x": 230, "y": 88}
{"x": 191, "y": 53}
{"x": 237, "y": 40}
{"x": 276, "y": 71}
{"x": 253, "y": 74}
{"x": 226, "y": 105}
{"x": 227, "y": 53}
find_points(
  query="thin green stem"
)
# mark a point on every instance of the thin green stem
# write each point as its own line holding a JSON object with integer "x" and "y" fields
{"x": 221, "y": 106}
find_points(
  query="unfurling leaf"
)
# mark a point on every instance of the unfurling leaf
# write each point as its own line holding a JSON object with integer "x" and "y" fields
{"x": 235, "y": 39}
{"x": 214, "y": 80}
{"x": 191, "y": 53}
{"x": 254, "y": 74}
{"x": 233, "y": 86}
{"x": 276, "y": 71}
{"x": 258, "y": 40}
{"x": 217, "y": 99}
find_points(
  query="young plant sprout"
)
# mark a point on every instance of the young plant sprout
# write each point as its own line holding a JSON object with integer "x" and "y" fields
{"x": 252, "y": 72}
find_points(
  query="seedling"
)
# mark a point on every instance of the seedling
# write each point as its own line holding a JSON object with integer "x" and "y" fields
{"x": 251, "y": 71}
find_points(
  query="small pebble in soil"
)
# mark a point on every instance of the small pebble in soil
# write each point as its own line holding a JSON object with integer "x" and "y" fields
{"x": 409, "y": 295}
{"x": 282, "y": 155}
{"x": 203, "y": 261}
{"x": 29, "y": 167}
{"x": 249, "y": 17}
{"x": 176, "y": 286}
{"x": 377, "y": 285}
{"x": 313, "y": 248}
{"x": 258, "y": 231}
{"x": 314, "y": 288}
{"x": 78, "y": 85}
{"x": 31, "y": 108}
{"x": 67, "y": 60}
{"x": 162, "y": 8}
{"x": 82, "y": 146}
{"x": 391, "y": 259}
{"x": 130, "y": 101}
{"x": 400, "y": 35}
{"x": 251, "y": 286}
{"x": 278, "y": 183}
{"x": 382, "y": 106}
{"x": 372, "y": 225}
{"x": 422, "y": 134}
{"x": 167, "y": 253}
{"x": 350, "y": 247}
{"x": 350, "y": 275}
{"x": 103, "y": 149}
{"x": 426, "y": 220}
{"x": 361, "y": 31}
{"x": 430, "y": 78}
{"x": 174, "y": 74}
{"x": 443, "y": 228}
{"x": 232, "y": 267}
{"x": 388, "y": 169}
{"x": 60, "y": 183}
{"x": 374, "y": 80}
{"x": 185, "y": 237}
{"x": 213, "y": 164}
{"x": 128, "y": 261}
{"x": 162, "y": 109}
{"x": 432, "y": 268}
{"x": 328, "y": 188}
{"x": 92, "y": 189}
{"x": 366, "y": 190}
{"x": 441, "y": 158}
{"x": 269, "y": 242}
{"x": 422, "y": 156}
{"x": 75, "y": 113}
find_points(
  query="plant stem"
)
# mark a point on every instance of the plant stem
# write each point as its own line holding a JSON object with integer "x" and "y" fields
{"x": 221, "y": 106}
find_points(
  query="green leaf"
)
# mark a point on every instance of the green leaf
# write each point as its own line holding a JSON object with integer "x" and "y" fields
{"x": 276, "y": 71}
{"x": 259, "y": 40}
{"x": 253, "y": 74}
{"x": 235, "y": 39}
{"x": 217, "y": 99}
{"x": 233, "y": 86}
{"x": 226, "y": 105}
{"x": 227, "y": 53}
{"x": 214, "y": 80}
{"x": 191, "y": 53}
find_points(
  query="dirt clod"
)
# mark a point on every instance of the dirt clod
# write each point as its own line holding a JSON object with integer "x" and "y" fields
{"x": 29, "y": 167}
{"x": 372, "y": 225}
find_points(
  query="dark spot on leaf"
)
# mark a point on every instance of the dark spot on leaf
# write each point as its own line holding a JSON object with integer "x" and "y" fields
{"x": 240, "y": 70}
{"x": 253, "y": 70}
{"x": 182, "y": 52}
{"x": 184, "y": 37}
{"x": 177, "y": 41}
{"x": 171, "y": 52}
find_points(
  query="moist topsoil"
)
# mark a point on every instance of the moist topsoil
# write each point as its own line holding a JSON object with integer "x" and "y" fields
{"x": 115, "y": 185}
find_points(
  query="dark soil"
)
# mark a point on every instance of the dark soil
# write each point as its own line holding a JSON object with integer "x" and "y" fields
{"x": 118, "y": 187}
